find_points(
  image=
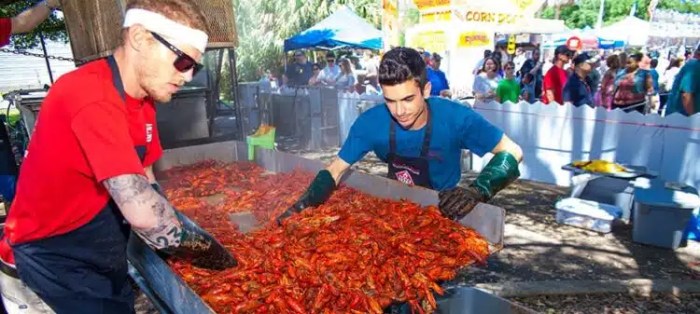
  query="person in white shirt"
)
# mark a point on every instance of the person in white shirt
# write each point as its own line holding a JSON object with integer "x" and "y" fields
{"x": 519, "y": 59}
{"x": 330, "y": 72}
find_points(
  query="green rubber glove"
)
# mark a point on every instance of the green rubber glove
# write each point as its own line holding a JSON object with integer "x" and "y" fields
{"x": 316, "y": 194}
{"x": 500, "y": 172}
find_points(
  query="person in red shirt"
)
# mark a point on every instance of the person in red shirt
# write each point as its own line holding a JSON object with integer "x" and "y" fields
{"x": 26, "y": 21}
{"x": 87, "y": 168}
{"x": 555, "y": 78}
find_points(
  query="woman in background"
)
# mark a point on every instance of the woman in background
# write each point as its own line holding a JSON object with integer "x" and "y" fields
{"x": 314, "y": 80}
{"x": 607, "y": 83}
{"x": 486, "y": 82}
{"x": 632, "y": 86}
{"x": 346, "y": 79}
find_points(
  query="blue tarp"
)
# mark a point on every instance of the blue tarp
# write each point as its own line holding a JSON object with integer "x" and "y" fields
{"x": 341, "y": 29}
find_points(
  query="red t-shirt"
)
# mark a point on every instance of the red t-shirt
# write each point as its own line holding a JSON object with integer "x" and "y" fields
{"x": 555, "y": 79}
{"x": 84, "y": 134}
{"x": 5, "y": 31}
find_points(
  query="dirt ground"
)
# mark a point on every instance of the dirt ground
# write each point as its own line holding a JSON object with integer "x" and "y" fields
{"x": 613, "y": 304}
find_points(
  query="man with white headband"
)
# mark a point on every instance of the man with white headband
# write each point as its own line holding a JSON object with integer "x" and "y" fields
{"x": 88, "y": 168}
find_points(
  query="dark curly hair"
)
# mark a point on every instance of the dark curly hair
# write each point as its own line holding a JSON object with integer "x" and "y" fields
{"x": 400, "y": 65}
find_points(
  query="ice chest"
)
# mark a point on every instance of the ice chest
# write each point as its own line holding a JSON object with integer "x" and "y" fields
{"x": 662, "y": 212}
{"x": 587, "y": 214}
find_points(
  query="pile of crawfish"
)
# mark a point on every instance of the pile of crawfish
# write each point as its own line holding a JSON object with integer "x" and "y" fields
{"x": 354, "y": 254}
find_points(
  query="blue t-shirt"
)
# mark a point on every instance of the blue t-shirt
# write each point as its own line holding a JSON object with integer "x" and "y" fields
{"x": 687, "y": 81}
{"x": 455, "y": 127}
{"x": 437, "y": 80}
{"x": 577, "y": 91}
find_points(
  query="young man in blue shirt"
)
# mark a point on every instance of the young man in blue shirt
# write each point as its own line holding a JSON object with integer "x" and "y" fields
{"x": 437, "y": 78}
{"x": 685, "y": 94}
{"x": 421, "y": 139}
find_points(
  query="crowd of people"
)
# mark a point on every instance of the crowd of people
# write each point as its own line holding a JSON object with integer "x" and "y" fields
{"x": 350, "y": 73}
{"x": 633, "y": 82}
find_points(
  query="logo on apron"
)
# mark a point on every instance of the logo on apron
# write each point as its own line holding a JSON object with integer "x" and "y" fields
{"x": 149, "y": 132}
{"x": 404, "y": 177}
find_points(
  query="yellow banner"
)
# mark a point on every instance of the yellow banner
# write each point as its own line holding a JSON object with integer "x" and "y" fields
{"x": 432, "y": 41}
{"x": 489, "y": 17}
{"x": 474, "y": 39}
{"x": 435, "y": 17}
{"x": 431, "y": 4}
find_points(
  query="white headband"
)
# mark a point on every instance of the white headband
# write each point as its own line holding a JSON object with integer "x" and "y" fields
{"x": 164, "y": 26}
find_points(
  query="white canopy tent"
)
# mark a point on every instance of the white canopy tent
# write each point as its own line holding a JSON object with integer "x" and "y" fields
{"x": 632, "y": 30}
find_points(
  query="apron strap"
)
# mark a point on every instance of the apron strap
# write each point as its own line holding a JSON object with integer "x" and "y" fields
{"x": 392, "y": 136}
{"x": 428, "y": 134}
{"x": 426, "y": 137}
{"x": 116, "y": 77}
{"x": 119, "y": 86}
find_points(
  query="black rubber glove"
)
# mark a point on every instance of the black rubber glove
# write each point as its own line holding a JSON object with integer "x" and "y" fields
{"x": 316, "y": 194}
{"x": 198, "y": 245}
{"x": 501, "y": 171}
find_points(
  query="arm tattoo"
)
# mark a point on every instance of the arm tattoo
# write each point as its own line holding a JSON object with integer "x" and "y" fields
{"x": 133, "y": 193}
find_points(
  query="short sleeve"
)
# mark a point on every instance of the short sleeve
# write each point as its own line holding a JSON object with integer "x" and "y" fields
{"x": 103, "y": 134}
{"x": 548, "y": 82}
{"x": 567, "y": 94}
{"x": 690, "y": 82}
{"x": 477, "y": 134}
{"x": 444, "y": 80}
{"x": 5, "y": 31}
{"x": 358, "y": 143}
{"x": 499, "y": 90}
{"x": 478, "y": 85}
{"x": 154, "y": 150}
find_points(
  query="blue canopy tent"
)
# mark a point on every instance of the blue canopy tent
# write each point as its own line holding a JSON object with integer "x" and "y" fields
{"x": 339, "y": 30}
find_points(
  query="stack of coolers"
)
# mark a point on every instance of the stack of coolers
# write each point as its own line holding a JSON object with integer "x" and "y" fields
{"x": 662, "y": 214}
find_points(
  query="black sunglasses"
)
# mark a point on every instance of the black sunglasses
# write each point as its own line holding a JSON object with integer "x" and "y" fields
{"x": 330, "y": 60}
{"x": 184, "y": 62}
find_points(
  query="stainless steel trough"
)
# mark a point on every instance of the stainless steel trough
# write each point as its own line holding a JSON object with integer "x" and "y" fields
{"x": 159, "y": 280}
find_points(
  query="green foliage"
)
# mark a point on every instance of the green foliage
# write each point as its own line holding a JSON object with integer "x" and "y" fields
{"x": 580, "y": 14}
{"x": 263, "y": 25}
{"x": 52, "y": 29}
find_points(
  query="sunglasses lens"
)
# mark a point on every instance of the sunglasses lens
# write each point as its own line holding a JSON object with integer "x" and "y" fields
{"x": 184, "y": 63}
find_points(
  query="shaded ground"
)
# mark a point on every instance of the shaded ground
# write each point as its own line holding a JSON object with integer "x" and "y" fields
{"x": 614, "y": 304}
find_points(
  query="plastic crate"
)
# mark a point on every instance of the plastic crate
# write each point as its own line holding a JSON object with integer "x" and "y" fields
{"x": 662, "y": 214}
{"x": 587, "y": 214}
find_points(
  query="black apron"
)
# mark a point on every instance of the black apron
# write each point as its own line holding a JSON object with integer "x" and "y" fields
{"x": 85, "y": 270}
{"x": 410, "y": 170}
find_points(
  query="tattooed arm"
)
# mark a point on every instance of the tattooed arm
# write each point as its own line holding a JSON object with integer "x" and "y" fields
{"x": 150, "y": 215}
{"x": 153, "y": 219}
